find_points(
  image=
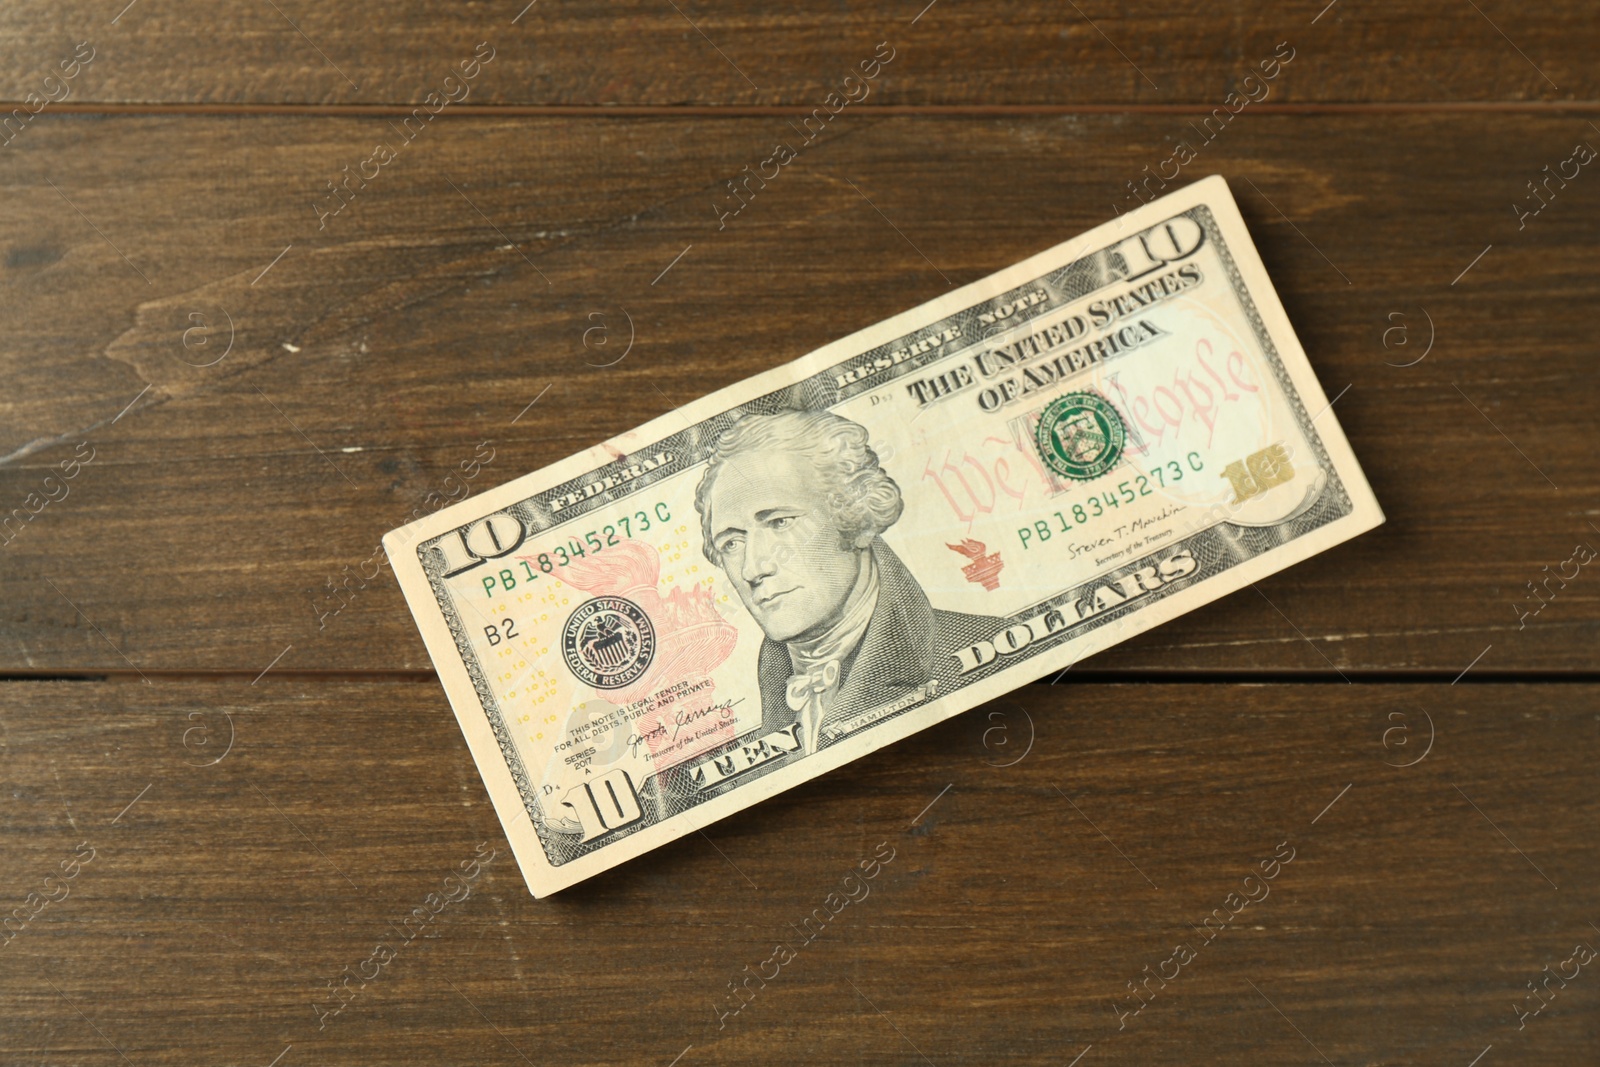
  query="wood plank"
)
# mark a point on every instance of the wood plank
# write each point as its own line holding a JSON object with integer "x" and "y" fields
{"x": 1046, "y": 849}
{"x": 371, "y": 359}
{"x": 739, "y": 52}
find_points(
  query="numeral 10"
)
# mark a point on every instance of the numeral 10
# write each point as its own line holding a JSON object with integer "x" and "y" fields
{"x": 606, "y": 804}
{"x": 1258, "y": 472}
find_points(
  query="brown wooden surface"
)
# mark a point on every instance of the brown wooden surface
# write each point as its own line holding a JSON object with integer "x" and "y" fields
{"x": 1049, "y": 846}
{"x": 206, "y": 530}
{"x": 219, "y": 905}
{"x": 743, "y": 52}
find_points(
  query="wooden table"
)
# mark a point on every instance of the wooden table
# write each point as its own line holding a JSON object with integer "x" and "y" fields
{"x": 231, "y": 778}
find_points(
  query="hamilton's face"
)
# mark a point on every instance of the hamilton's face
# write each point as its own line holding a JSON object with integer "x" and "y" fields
{"x": 772, "y": 533}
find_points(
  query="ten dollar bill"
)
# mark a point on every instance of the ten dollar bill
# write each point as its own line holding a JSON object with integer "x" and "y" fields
{"x": 811, "y": 564}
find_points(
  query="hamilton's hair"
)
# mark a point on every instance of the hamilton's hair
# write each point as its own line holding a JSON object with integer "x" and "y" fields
{"x": 863, "y": 501}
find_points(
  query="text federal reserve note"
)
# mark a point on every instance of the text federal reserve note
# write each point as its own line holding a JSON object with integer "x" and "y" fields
{"x": 818, "y": 561}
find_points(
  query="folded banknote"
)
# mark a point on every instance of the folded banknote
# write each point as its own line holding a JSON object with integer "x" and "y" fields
{"x": 818, "y": 561}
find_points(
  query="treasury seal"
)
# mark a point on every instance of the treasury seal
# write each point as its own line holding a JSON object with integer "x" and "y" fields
{"x": 608, "y": 642}
{"x": 1080, "y": 435}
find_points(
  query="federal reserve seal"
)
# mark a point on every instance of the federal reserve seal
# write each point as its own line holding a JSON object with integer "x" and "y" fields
{"x": 1080, "y": 435}
{"x": 608, "y": 642}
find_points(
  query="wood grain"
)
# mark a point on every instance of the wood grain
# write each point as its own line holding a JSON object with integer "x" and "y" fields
{"x": 739, "y": 52}
{"x": 370, "y": 359}
{"x": 1019, "y": 902}
{"x": 257, "y": 834}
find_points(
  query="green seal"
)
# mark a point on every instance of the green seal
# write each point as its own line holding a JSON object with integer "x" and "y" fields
{"x": 1080, "y": 436}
